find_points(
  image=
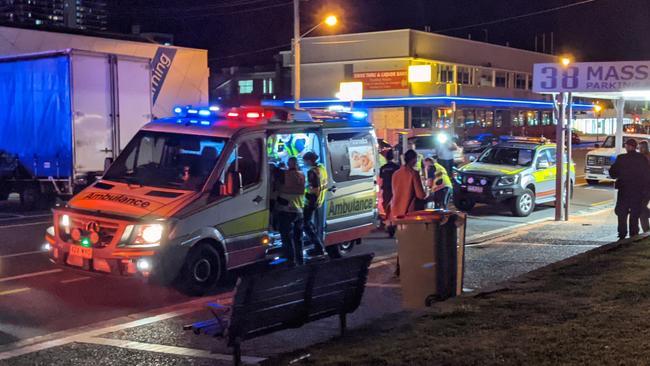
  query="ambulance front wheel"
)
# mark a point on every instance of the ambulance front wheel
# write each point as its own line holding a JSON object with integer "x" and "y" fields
{"x": 339, "y": 250}
{"x": 464, "y": 204}
{"x": 202, "y": 271}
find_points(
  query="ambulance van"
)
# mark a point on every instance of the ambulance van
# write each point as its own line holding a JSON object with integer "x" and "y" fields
{"x": 190, "y": 196}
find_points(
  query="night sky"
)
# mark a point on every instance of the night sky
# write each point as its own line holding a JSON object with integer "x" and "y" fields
{"x": 236, "y": 32}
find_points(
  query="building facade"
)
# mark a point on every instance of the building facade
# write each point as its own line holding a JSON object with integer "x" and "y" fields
{"x": 78, "y": 14}
{"x": 470, "y": 86}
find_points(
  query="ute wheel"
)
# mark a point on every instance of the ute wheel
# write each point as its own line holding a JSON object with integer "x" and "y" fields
{"x": 592, "y": 182}
{"x": 464, "y": 204}
{"x": 391, "y": 231}
{"x": 203, "y": 270}
{"x": 523, "y": 205}
{"x": 339, "y": 250}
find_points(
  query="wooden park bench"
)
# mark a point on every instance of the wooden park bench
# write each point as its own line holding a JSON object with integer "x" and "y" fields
{"x": 288, "y": 298}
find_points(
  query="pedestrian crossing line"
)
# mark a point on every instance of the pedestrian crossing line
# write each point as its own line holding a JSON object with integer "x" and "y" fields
{"x": 32, "y": 274}
{"x": 14, "y": 291}
{"x": 160, "y": 348}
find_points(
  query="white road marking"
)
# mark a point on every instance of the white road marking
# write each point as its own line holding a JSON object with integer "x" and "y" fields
{"x": 14, "y": 291}
{"x": 19, "y": 216}
{"x": 20, "y": 254}
{"x": 28, "y": 275}
{"x": 47, "y": 341}
{"x": 27, "y": 224}
{"x": 172, "y": 350}
{"x": 381, "y": 263}
{"x": 492, "y": 242}
{"x": 76, "y": 279}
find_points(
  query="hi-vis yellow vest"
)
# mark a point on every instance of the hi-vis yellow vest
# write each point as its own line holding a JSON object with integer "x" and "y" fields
{"x": 442, "y": 177}
{"x": 319, "y": 192}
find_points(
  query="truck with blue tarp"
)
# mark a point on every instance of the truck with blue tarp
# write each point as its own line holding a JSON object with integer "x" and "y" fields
{"x": 63, "y": 116}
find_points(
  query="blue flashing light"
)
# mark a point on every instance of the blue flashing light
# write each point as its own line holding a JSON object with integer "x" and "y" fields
{"x": 205, "y": 123}
{"x": 215, "y": 108}
{"x": 178, "y": 110}
{"x": 179, "y": 121}
{"x": 359, "y": 114}
{"x": 193, "y": 121}
{"x": 192, "y": 111}
{"x": 205, "y": 112}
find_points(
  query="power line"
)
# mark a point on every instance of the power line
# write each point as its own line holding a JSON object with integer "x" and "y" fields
{"x": 515, "y": 17}
{"x": 208, "y": 14}
{"x": 250, "y": 52}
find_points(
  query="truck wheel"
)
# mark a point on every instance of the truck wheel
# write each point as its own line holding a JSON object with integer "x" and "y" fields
{"x": 592, "y": 182}
{"x": 203, "y": 270}
{"x": 464, "y": 204}
{"x": 30, "y": 197}
{"x": 339, "y": 250}
{"x": 523, "y": 205}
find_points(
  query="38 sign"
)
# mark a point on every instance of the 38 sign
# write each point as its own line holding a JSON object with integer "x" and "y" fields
{"x": 591, "y": 77}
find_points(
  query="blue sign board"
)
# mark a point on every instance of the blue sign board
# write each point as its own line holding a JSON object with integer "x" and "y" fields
{"x": 160, "y": 66}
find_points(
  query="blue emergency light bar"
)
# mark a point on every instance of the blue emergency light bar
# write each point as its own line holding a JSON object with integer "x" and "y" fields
{"x": 191, "y": 111}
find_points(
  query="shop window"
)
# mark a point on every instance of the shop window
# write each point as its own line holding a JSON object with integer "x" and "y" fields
{"x": 465, "y": 75}
{"x": 445, "y": 74}
{"x": 245, "y": 86}
{"x": 444, "y": 117}
{"x": 421, "y": 117}
{"x": 519, "y": 119}
{"x": 502, "y": 79}
{"x": 532, "y": 118}
{"x": 520, "y": 81}
{"x": 500, "y": 118}
{"x": 469, "y": 118}
{"x": 480, "y": 118}
{"x": 489, "y": 119}
{"x": 547, "y": 119}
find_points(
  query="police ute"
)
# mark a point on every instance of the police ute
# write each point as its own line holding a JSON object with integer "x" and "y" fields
{"x": 599, "y": 160}
{"x": 189, "y": 197}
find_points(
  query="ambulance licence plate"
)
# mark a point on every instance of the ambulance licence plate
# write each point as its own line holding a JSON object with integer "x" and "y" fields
{"x": 83, "y": 252}
{"x": 475, "y": 189}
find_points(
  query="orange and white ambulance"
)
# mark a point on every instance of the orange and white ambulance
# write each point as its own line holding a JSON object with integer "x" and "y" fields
{"x": 189, "y": 197}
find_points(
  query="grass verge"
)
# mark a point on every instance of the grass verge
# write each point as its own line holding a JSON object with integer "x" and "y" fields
{"x": 593, "y": 309}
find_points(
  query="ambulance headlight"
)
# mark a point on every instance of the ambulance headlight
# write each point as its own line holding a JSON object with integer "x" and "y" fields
{"x": 508, "y": 180}
{"x": 146, "y": 235}
{"x": 64, "y": 223}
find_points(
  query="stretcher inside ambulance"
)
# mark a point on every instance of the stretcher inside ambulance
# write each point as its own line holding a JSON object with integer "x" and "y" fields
{"x": 189, "y": 197}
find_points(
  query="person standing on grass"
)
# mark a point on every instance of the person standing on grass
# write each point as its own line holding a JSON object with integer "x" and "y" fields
{"x": 645, "y": 211}
{"x": 407, "y": 190}
{"x": 632, "y": 173}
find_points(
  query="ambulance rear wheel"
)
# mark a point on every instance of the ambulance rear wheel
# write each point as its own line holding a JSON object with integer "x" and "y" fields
{"x": 203, "y": 270}
{"x": 339, "y": 250}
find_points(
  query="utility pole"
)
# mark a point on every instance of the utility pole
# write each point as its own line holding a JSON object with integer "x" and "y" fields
{"x": 296, "y": 53}
{"x": 569, "y": 144}
{"x": 560, "y": 100}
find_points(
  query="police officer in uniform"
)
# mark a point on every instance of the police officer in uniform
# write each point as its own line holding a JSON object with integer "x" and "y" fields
{"x": 289, "y": 204}
{"x": 314, "y": 199}
{"x": 632, "y": 173}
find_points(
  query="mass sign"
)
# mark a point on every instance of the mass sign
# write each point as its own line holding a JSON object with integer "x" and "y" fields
{"x": 607, "y": 77}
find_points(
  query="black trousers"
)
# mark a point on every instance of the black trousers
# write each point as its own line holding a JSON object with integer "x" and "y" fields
{"x": 628, "y": 209}
{"x": 312, "y": 229}
{"x": 290, "y": 225}
{"x": 447, "y": 164}
{"x": 645, "y": 215}
{"x": 441, "y": 198}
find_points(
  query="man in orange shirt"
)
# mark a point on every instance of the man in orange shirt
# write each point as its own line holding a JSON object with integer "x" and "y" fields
{"x": 407, "y": 187}
{"x": 407, "y": 190}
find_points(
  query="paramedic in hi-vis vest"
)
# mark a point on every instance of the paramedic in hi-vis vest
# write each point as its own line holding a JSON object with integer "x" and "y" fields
{"x": 289, "y": 205}
{"x": 440, "y": 184}
{"x": 314, "y": 199}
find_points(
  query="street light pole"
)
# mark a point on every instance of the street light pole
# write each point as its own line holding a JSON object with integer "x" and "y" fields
{"x": 296, "y": 53}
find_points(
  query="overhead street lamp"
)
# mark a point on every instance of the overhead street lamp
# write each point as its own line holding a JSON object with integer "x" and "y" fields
{"x": 330, "y": 21}
{"x": 597, "y": 110}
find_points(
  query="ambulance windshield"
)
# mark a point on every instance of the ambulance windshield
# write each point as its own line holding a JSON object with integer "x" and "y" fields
{"x": 167, "y": 160}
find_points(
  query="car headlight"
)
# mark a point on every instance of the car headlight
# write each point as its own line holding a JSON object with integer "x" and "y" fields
{"x": 442, "y": 137}
{"x": 508, "y": 180}
{"x": 145, "y": 235}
